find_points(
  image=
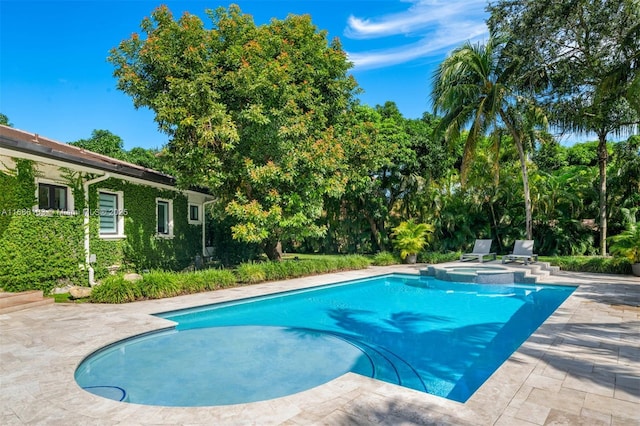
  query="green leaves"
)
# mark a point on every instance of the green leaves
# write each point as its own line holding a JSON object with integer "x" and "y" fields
{"x": 411, "y": 237}
{"x": 249, "y": 109}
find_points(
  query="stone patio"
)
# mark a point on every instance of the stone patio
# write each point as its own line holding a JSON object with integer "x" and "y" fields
{"x": 581, "y": 367}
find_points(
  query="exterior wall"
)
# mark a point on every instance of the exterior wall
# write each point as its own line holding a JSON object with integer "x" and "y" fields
{"x": 48, "y": 248}
{"x": 142, "y": 247}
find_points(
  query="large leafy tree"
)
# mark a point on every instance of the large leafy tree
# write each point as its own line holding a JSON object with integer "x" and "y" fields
{"x": 475, "y": 86}
{"x": 103, "y": 142}
{"x": 586, "y": 56}
{"x": 250, "y": 111}
{"x": 106, "y": 143}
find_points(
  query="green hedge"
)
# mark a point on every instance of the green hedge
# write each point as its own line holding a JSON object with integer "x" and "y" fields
{"x": 595, "y": 264}
{"x": 159, "y": 284}
{"x": 251, "y": 272}
{"x": 435, "y": 257}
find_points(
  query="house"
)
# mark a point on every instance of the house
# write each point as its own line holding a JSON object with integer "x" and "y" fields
{"x": 67, "y": 213}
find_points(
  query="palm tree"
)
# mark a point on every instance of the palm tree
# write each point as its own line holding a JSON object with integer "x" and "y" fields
{"x": 474, "y": 85}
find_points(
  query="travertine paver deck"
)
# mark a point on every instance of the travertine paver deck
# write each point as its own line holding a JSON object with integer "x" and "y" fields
{"x": 582, "y": 366}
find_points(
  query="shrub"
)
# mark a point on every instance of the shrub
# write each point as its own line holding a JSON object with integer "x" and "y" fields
{"x": 410, "y": 237}
{"x": 251, "y": 272}
{"x": 159, "y": 284}
{"x": 191, "y": 282}
{"x": 277, "y": 270}
{"x": 115, "y": 289}
{"x": 627, "y": 243}
{"x": 354, "y": 261}
{"x": 217, "y": 278}
{"x": 435, "y": 257}
{"x": 258, "y": 272}
{"x": 384, "y": 258}
{"x": 595, "y": 264}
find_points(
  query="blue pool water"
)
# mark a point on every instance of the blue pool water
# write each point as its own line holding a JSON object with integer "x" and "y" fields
{"x": 439, "y": 337}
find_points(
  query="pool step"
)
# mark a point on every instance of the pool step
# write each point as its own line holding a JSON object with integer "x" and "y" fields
{"x": 390, "y": 368}
{"x": 11, "y": 302}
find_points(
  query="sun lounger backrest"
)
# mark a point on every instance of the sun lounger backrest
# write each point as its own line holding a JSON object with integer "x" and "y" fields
{"x": 523, "y": 248}
{"x": 482, "y": 246}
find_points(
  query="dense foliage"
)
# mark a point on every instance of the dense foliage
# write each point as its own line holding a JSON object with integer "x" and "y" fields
{"x": 37, "y": 251}
{"x": 581, "y": 59}
{"x": 42, "y": 252}
{"x": 296, "y": 161}
{"x": 106, "y": 143}
{"x": 251, "y": 112}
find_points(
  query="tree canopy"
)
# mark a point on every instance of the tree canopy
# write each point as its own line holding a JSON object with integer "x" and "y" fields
{"x": 250, "y": 110}
{"x": 583, "y": 59}
{"x": 103, "y": 142}
{"x": 475, "y": 85}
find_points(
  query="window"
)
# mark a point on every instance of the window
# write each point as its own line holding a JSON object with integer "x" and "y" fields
{"x": 52, "y": 197}
{"x": 194, "y": 214}
{"x": 108, "y": 206}
{"x": 164, "y": 217}
{"x": 111, "y": 213}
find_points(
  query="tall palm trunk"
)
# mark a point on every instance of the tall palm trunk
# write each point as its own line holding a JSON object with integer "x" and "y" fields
{"x": 603, "y": 157}
{"x": 525, "y": 175}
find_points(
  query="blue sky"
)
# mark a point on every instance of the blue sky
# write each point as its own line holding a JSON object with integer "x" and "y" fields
{"x": 55, "y": 80}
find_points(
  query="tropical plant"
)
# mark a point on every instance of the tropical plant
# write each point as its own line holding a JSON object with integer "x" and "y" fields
{"x": 474, "y": 84}
{"x": 627, "y": 243}
{"x": 411, "y": 237}
{"x": 588, "y": 87}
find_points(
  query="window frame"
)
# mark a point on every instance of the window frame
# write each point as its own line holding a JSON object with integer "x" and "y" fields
{"x": 52, "y": 186}
{"x": 169, "y": 218}
{"x": 198, "y": 220}
{"x": 119, "y": 213}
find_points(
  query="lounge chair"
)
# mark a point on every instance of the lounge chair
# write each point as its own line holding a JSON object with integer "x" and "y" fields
{"x": 522, "y": 249}
{"x": 481, "y": 249}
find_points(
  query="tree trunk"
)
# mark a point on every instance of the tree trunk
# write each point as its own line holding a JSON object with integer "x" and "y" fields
{"x": 603, "y": 156}
{"x": 273, "y": 250}
{"x": 527, "y": 194}
{"x": 525, "y": 176}
{"x": 375, "y": 233}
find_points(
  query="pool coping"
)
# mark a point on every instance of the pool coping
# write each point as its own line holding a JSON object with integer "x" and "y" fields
{"x": 581, "y": 365}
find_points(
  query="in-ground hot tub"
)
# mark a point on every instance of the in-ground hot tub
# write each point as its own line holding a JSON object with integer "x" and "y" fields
{"x": 474, "y": 274}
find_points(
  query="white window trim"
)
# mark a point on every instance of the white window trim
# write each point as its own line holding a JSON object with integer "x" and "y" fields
{"x": 70, "y": 204}
{"x": 170, "y": 218}
{"x": 194, "y": 222}
{"x": 120, "y": 217}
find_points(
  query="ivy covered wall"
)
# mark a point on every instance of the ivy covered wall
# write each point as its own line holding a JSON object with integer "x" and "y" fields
{"x": 142, "y": 249}
{"x": 37, "y": 252}
{"x": 44, "y": 251}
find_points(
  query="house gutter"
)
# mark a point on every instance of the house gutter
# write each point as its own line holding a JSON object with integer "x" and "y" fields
{"x": 87, "y": 236}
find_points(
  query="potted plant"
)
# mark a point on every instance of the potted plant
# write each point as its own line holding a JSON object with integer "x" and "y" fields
{"x": 410, "y": 238}
{"x": 627, "y": 243}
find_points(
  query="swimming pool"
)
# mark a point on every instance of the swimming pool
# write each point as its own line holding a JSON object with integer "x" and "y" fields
{"x": 444, "y": 338}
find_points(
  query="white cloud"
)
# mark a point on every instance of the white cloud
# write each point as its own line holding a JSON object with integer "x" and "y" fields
{"x": 425, "y": 47}
{"x": 439, "y": 26}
